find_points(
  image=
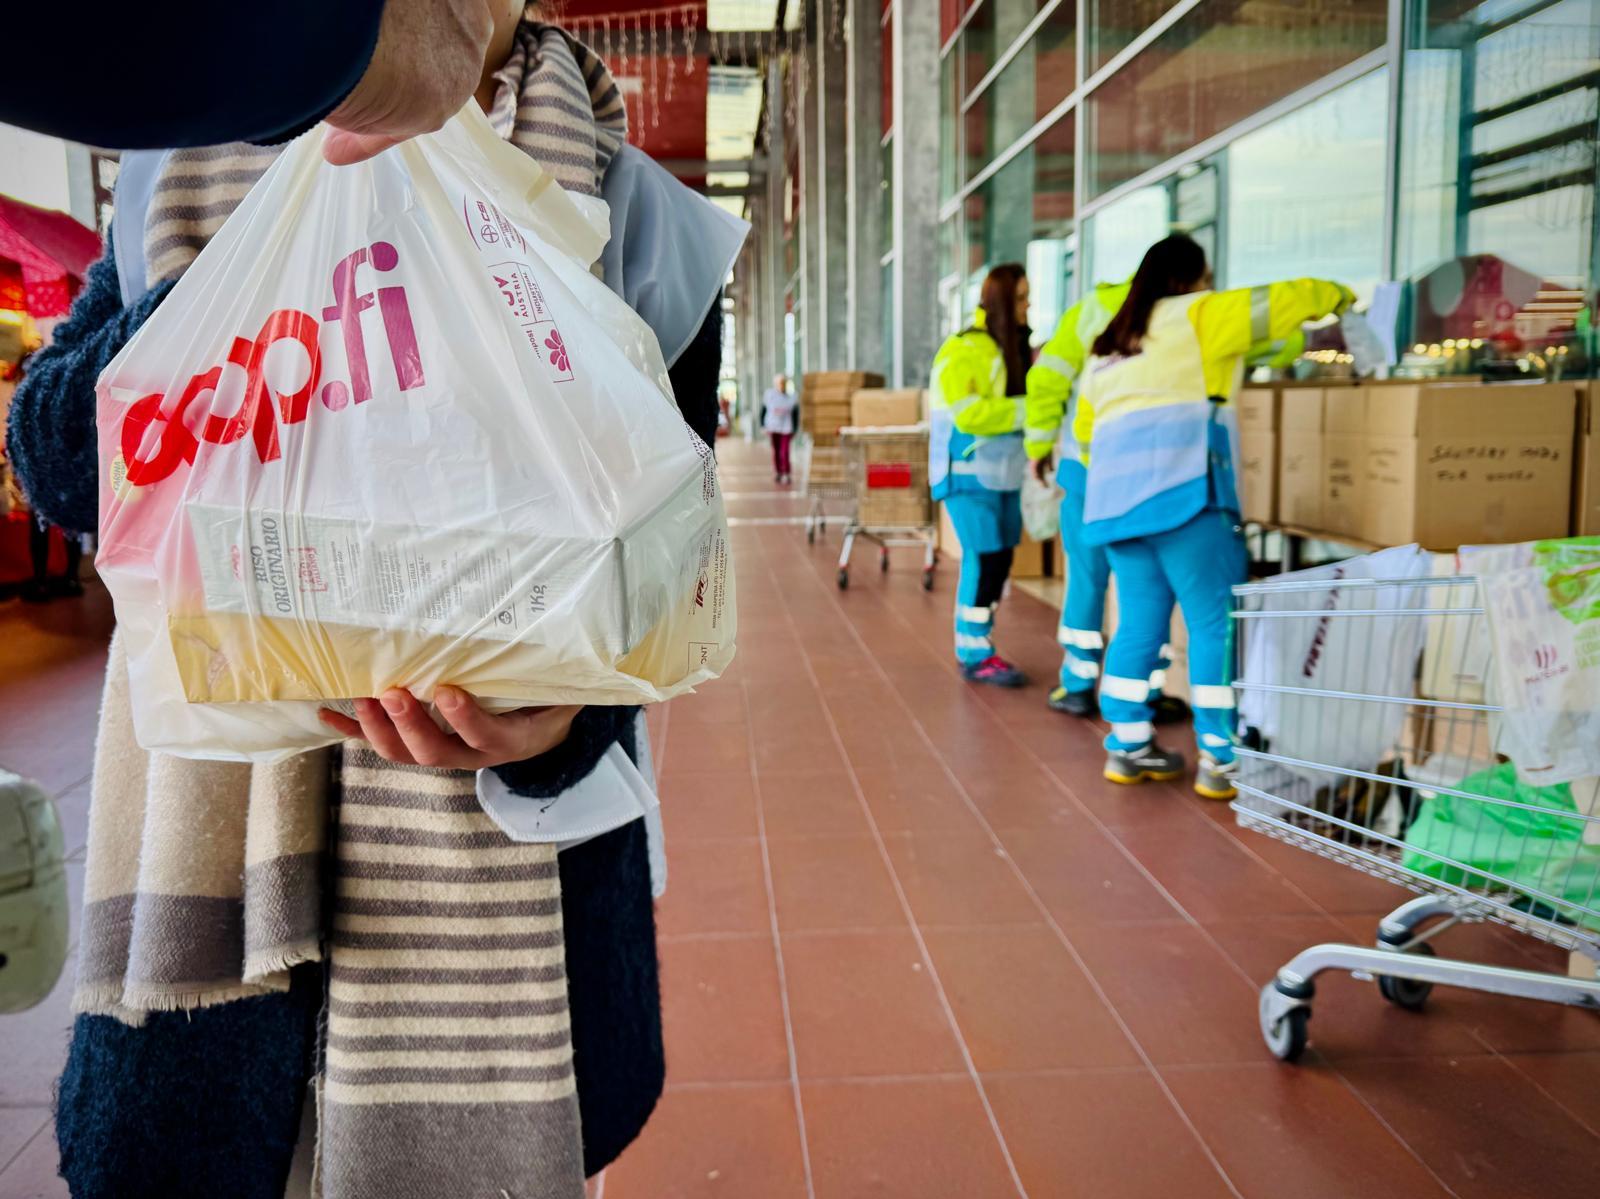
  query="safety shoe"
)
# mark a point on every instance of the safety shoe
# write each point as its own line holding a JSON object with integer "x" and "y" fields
{"x": 1151, "y": 763}
{"x": 995, "y": 671}
{"x": 1074, "y": 703}
{"x": 1168, "y": 709}
{"x": 1214, "y": 779}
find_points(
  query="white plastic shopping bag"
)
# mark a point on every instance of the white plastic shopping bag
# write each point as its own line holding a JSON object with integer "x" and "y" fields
{"x": 1041, "y": 508}
{"x": 1330, "y": 652}
{"x": 390, "y": 430}
{"x": 1544, "y": 628}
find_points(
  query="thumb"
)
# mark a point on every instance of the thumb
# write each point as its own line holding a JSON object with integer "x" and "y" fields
{"x": 343, "y": 148}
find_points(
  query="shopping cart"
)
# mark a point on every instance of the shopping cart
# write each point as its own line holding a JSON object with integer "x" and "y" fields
{"x": 1370, "y": 727}
{"x": 887, "y": 471}
{"x": 822, "y": 478}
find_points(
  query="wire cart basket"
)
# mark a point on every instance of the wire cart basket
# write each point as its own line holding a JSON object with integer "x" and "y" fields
{"x": 822, "y": 478}
{"x": 887, "y": 471}
{"x": 1370, "y": 732}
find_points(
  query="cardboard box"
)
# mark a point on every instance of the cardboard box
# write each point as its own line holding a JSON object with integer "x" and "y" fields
{"x": 1299, "y": 410}
{"x": 1300, "y": 481}
{"x": 849, "y": 380}
{"x": 877, "y": 407}
{"x": 1030, "y": 560}
{"x": 1258, "y": 476}
{"x": 1586, "y": 479}
{"x": 1454, "y": 464}
{"x": 1258, "y": 408}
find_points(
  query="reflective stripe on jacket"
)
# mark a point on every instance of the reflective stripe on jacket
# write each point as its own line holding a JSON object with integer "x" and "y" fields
{"x": 1160, "y": 423}
{"x": 975, "y": 429}
{"x": 1054, "y": 374}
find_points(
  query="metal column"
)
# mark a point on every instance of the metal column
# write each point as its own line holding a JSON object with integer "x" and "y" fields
{"x": 916, "y": 192}
{"x": 833, "y": 251}
{"x": 865, "y": 241}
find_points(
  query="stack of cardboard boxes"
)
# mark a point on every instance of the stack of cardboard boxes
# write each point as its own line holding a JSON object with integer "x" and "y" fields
{"x": 1439, "y": 464}
{"x": 825, "y": 408}
{"x": 826, "y": 402}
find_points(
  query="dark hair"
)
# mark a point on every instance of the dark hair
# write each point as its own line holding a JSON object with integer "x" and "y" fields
{"x": 999, "y": 303}
{"x": 1171, "y": 267}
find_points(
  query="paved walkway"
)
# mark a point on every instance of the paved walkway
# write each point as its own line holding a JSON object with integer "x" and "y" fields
{"x": 913, "y": 946}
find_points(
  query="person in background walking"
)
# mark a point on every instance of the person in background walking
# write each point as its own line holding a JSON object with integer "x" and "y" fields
{"x": 778, "y": 419}
{"x": 976, "y": 460}
{"x": 1156, "y": 412}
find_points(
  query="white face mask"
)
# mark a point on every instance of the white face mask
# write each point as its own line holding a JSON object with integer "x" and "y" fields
{"x": 615, "y": 793}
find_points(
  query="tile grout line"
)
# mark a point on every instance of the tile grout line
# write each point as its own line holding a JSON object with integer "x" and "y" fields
{"x": 1187, "y": 915}
{"x": 905, "y": 903}
{"x": 1049, "y": 917}
{"x": 43, "y": 1128}
{"x": 777, "y": 949}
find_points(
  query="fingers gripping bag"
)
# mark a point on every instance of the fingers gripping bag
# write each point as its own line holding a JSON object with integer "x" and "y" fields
{"x": 390, "y": 430}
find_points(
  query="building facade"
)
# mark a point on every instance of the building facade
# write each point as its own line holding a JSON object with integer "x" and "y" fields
{"x": 1442, "y": 147}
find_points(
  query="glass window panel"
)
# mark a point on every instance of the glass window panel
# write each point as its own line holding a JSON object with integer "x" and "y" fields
{"x": 1024, "y": 213}
{"x": 1113, "y": 24}
{"x": 1120, "y": 233}
{"x": 1499, "y": 123}
{"x": 1305, "y": 193}
{"x": 886, "y": 189}
{"x": 1036, "y": 79}
{"x": 888, "y": 73}
{"x": 949, "y": 125}
{"x": 977, "y": 44}
{"x": 1216, "y": 66}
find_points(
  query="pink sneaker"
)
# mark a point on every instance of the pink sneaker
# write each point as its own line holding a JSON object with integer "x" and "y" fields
{"x": 995, "y": 671}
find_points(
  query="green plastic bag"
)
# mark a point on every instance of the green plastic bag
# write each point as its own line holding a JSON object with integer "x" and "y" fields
{"x": 1452, "y": 839}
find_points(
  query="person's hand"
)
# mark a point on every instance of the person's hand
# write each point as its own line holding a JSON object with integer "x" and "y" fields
{"x": 427, "y": 62}
{"x": 1041, "y": 470}
{"x": 400, "y": 729}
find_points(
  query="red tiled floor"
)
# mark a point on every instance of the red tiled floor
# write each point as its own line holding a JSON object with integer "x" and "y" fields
{"x": 722, "y": 1012}
{"x": 959, "y": 878}
{"x": 864, "y": 1005}
{"x": 1022, "y": 1003}
{"x": 928, "y": 1138}
{"x": 1096, "y": 1134}
{"x": 832, "y": 883}
{"x": 715, "y": 1143}
{"x": 1298, "y": 1132}
{"x": 1486, "y": 1131}
{"x": 717, "y": 886}
{"x": 835, "y": 1061}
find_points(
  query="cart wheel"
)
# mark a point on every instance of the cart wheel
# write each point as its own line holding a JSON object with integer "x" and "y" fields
{"x": 883, "y": 561}
{"x": 1405, "y": 992}
{"x": 1286, "y": 1036}
{"x": 844, "y": 578}
{"x": 927, "y": 579}
{"x": 1283, "y": 1014}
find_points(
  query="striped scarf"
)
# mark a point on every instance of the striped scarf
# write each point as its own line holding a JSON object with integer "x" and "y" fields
{"x": 555, "y": 100}
{"x": 448, "y": 1053}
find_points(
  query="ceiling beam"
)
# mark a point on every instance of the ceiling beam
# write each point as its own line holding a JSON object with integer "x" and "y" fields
{"x": 694, "y": 168}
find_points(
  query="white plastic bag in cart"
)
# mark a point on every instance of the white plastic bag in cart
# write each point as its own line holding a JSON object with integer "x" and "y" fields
{"x": 1328, "y": 651}
{"x": 390, "y": 430}
{"x": 1041, "y": 508}
{"x": 1544, "y": 628}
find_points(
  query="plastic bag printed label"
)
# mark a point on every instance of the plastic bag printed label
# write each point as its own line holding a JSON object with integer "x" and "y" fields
{"x": 390, "y": 430}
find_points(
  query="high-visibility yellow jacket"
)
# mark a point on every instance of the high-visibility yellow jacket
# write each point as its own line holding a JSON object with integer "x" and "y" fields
{"x": 1054, "y": 374}
{"x": 975, "y": 429}
{"x": 1159, "y": 423}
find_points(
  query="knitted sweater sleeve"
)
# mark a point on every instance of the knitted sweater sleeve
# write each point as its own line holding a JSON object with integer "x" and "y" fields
{"x": 594, "y": 731}
{"x": 50, "y": 437}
